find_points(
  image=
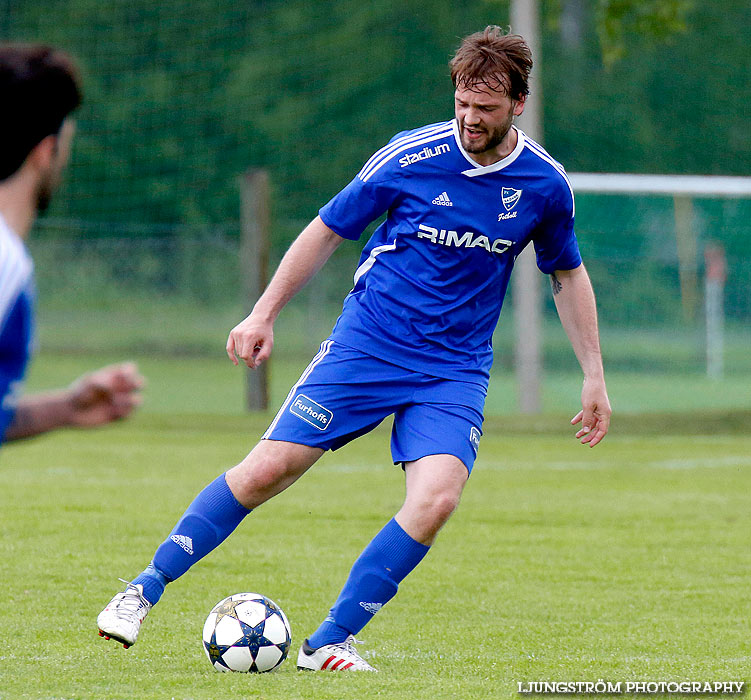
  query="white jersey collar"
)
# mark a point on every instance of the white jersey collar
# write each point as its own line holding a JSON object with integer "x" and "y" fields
{"x": 8, "y": 237}
{"x": 3, "y": 225}
{"x": 478, "y": 169}
{"x": 9, "y": 233}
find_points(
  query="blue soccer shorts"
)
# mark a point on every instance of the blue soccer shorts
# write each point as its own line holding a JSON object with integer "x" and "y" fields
{"x": 345, "y": 393}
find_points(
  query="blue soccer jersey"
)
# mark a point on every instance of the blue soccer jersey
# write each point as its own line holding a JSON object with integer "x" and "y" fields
{"x": 431, "y": 281}
{"x": 16, "y": 320}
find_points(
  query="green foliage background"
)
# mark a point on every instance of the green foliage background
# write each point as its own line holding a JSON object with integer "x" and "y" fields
{"x": 182, "y": 97}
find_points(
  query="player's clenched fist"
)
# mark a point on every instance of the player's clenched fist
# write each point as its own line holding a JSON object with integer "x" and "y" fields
{"x": 250, "y": 340}
{"x": 106, "y": 395}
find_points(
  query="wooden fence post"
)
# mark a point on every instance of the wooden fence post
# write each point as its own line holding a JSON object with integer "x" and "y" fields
{"x": 255, "y": 217}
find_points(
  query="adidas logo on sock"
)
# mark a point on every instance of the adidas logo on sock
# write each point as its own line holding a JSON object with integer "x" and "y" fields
{"x": 185, "y": 542}
{"x": 372, "y": 608}
{"x": 443, "y": 200}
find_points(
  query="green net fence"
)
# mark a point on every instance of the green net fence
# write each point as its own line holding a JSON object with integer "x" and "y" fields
{"x": 140, "y": 251}
{"x": 144, "y": 294}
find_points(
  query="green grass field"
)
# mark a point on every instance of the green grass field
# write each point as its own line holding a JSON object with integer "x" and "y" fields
{"x": 630, "y": 561}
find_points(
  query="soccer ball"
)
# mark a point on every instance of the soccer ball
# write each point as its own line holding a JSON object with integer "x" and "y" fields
{"x": 246, "y": 632}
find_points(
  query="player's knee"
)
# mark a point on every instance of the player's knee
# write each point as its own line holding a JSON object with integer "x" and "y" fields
{"x": 444, "y": 505}
{"x": 257, "y": 478}
{"x": 269, "y": 469}
{"x": 436, "y": 508}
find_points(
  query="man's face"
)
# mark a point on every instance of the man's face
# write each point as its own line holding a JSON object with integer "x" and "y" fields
{"x": 53, "y": 173}
{"x": 484, "y": 115}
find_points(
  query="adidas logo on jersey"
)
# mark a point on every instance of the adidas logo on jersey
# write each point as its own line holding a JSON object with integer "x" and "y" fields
{"x": 183, "y": 541}
{"x": 443, "y": 200}
{"x": 372, "y": 608}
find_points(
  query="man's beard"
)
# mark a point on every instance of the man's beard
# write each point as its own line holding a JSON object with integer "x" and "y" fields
{"x": 494, "y": 138}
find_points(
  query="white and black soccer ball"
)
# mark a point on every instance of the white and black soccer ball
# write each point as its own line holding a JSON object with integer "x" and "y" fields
{"x": 246, "y": 632}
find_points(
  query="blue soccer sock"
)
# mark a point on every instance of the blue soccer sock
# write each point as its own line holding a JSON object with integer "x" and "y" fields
{"x": 153, "y": 582}
{"x": 373, "y": 581}
{"x": 209, "y": 520}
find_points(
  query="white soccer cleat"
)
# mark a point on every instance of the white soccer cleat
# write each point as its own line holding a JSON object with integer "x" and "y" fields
{"x": 332, "y": 657}
{"x": 122, "y": 618}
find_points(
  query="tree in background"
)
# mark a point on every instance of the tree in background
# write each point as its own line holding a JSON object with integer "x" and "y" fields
{"x": 183, "y": 98}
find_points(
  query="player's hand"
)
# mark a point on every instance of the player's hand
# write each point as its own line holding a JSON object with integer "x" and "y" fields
{"x": 105, "y": 395}
{"x": 251, "y": 340}
{"x": 595, "y": 413}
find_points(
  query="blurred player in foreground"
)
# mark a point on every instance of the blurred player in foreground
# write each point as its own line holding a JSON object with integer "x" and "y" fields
{"x": 40, "y": 89}
{"x": 463, "y": 197}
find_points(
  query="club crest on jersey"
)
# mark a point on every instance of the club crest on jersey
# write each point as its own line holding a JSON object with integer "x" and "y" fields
{"x": 510, "y": 197}
{"x": 311, "y": 412}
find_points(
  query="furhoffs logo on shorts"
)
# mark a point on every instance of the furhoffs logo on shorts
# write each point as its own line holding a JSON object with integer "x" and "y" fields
{"x": 474, "y": 439}
{"x": 311, "y": 412}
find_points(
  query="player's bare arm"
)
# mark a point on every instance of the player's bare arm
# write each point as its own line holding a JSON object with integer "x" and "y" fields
{"x": 575, "y": 303}
{"x": 98, "y": 398}
{"x": 252, "y": 339}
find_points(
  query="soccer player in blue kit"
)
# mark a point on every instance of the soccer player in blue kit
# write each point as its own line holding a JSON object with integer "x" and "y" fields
{"x": 463, "y": 198}
{"x": 40, "y": 88}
